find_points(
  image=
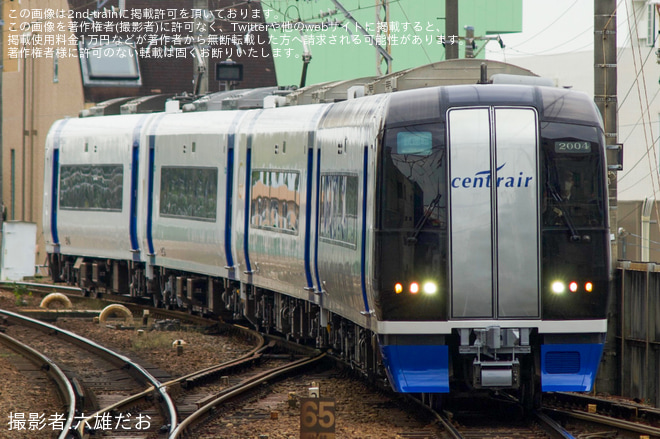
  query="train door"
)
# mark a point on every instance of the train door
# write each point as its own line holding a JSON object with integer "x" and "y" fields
{"x": 494, "y": 246}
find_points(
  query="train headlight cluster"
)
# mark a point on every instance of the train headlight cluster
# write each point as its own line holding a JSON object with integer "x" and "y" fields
{"x": 560, "y": 287}
{"x": 429, "y": 288}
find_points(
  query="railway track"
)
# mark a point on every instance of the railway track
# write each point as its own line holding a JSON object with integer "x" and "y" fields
{"x": 532, "y": 426}
{"x": 495, "y": 418}
{"x": 99, "y": 378}
{"x": 265, "y": 373}
{"x": 100, "y": 397}
{"x": 55, "y": 374}
{"x": 197, "y": 394}
{"x": 618, "y": 416}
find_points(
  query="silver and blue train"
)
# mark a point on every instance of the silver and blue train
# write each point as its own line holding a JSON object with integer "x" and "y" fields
{"x": 448, "y": 238}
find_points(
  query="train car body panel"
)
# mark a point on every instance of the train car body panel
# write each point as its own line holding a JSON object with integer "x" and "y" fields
{"x": 190, "y": 155}
{"x": 347, "y": 140}
{"x": 274, "y": 156}
{"x": 98, "y": 160}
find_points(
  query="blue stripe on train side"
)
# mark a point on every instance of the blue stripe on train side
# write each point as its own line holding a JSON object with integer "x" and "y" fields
{"x": 135, "y": 162}
{"x": 246, "y": 223}
{"x": 229, "y": 195}
{"x": 135, "y": 169}
{"x": 308, "y": 217}
{"x": 150, "y": 185}
{"x": 316, "y": 221}
{"x": 228, "y": 199}
{"x": 53, "y": 200}
{"x": 150, "y": 200}
{"x": 363, "y": 251}
{"x": 55, "y": 184}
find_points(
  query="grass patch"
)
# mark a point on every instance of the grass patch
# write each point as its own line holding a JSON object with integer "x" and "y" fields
{"x": 154, "y": 340}
{"x": 20, "y": 291}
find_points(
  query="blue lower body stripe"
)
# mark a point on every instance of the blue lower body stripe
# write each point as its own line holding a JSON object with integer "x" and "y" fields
{"x": 569, "y": 367}
{"x": 417, "y": 368}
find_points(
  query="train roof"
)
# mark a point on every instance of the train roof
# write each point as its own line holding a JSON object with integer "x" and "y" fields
{"x": 442, "y": 73}
{"x": 553, "y": 104}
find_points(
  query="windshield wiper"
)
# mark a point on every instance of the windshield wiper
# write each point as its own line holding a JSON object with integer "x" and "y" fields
{"x": 564, "y": 213}
{"x": 422, "y": 221}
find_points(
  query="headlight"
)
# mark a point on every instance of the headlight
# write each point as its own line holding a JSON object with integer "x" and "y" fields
{"x": 558, "y": 287}
{"x": 430, "y": 288}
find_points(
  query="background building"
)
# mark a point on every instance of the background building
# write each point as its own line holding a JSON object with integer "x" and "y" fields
{"x": 555, "y": 46}
{"x": 36, "y": 90}
{"x": 410, "y": 31}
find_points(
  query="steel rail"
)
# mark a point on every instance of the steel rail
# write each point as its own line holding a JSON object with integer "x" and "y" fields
{"x": 64, "y": 386}
{"x": 253, "y": 354}
{"x": 137, "y": 371}
{"x": 250, "y": 356}
{"x": 551, "y": 426}
{"x": 237, "y": 389}
{"x": 612, "y": 422}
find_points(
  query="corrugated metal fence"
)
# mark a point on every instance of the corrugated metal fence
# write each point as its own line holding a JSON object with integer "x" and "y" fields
{"x": 635, "y": 333}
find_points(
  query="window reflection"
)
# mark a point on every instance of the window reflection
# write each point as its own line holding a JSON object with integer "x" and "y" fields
{"x": 91, "y": 187}
{"x": 190, "y": 193}
{"x": 275, "y": 200}
{"x": 338, "y": 209}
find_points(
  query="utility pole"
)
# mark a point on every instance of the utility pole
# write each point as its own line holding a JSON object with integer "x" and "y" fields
{"x": 382, "y": 51}
{"x": 605, "y": 97}
{"x": 451, "y": 29}
{"x": 383, "y": 16}
{"x": 201, "y": 35}
{"x": 469, "y": 41}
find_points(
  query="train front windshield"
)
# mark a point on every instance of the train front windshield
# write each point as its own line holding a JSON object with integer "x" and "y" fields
{"x": 412, "y": 223}
{"x": 574, "y": 226}
{"x": 573, "y": 194}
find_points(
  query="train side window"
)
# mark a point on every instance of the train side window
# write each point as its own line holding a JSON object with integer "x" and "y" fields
{"x": 275, "y": 202}
{"x": 91, "y": 187}
{"x": 339, "y": 209}
{"x": 189, "y": 193}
